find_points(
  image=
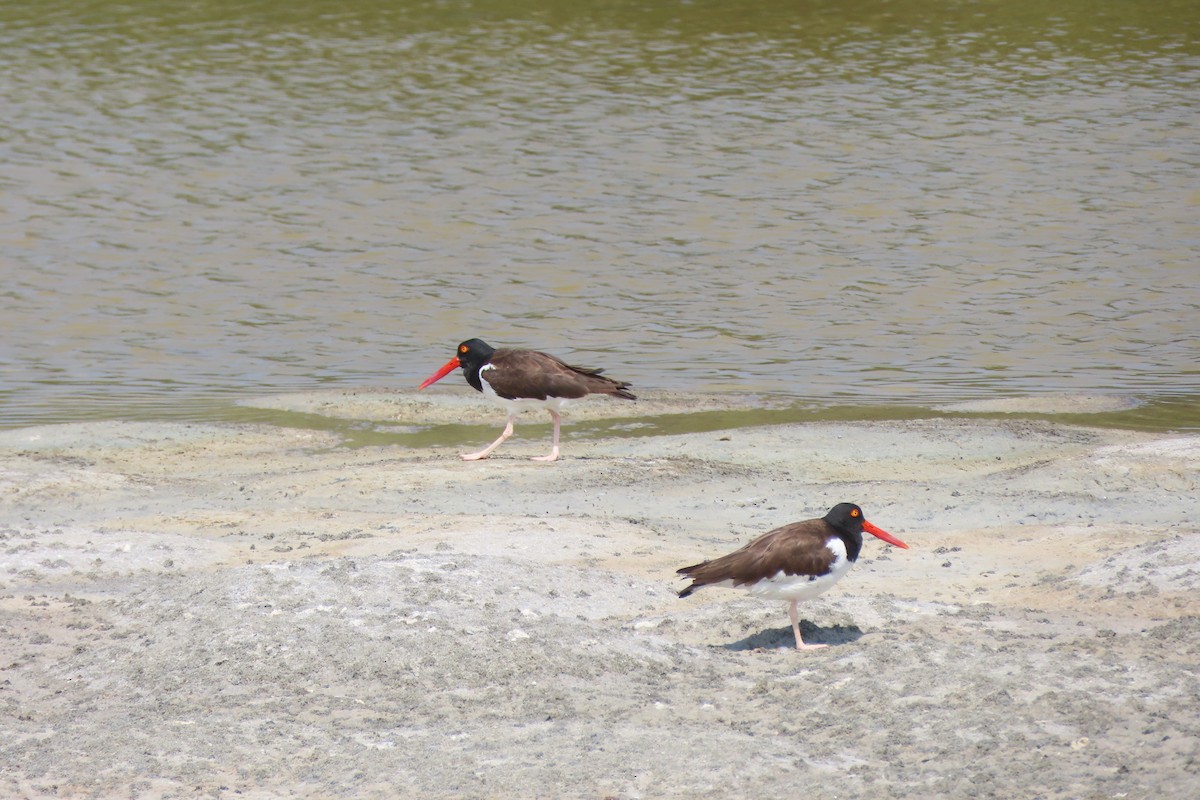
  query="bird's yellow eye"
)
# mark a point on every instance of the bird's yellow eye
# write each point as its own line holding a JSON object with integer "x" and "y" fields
{"x": 462, "y": 348}
{"x": 854, "y": 512}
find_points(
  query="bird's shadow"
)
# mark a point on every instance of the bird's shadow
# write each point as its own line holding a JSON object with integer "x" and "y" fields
{"x": 775, "y": 638}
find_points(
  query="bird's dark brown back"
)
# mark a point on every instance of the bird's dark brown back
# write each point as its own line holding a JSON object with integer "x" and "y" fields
{"x": 528, "y": 373}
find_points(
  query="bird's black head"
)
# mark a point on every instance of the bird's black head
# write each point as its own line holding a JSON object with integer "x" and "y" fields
{"x": 473, "y": 354}
{"x": 846, "y": 517}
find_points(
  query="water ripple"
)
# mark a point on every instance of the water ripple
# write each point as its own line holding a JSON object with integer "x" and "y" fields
{"x": 830, "y": 202}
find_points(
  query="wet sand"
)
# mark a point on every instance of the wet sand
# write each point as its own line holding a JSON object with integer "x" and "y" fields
{"x": 194, "y": 610}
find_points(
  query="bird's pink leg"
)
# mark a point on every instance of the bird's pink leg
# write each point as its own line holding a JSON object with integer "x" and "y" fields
{"x": 794, "y": 615}
{"x": 553, "y": 456}
{"x": 487, "y": 451}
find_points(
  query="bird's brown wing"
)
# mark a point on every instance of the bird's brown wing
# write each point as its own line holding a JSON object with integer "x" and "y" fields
{"x": 528, "y": 373}
{"x": 796, "y": 549}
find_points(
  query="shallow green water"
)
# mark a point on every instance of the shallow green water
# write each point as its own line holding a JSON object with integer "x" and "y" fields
{"x": 1171, "y": 414}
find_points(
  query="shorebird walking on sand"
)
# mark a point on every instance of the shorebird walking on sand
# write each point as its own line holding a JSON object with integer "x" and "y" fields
{"x": 519, "y": 379}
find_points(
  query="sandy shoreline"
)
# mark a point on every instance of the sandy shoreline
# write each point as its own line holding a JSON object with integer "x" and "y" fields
{"x": 192, "y": 610}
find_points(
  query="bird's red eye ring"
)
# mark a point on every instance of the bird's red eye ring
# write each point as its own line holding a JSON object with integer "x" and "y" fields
{"x": 463, "y": 348}
{"x": 854, "y": 512}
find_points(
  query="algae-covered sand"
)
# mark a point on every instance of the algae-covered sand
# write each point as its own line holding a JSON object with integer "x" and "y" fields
{"x": 211, "y": 610}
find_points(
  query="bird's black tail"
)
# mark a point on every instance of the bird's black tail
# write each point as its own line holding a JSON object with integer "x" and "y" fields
{"x": 685, "y": 572}
{"x": 601, "y": 384}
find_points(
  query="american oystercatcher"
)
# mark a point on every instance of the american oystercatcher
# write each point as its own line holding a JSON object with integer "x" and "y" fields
{"x": 520, "y": 379}
{"x": 796, "y": 562}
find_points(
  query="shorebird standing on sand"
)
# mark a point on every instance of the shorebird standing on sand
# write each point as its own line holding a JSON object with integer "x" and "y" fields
{"x": 796, "y": 562}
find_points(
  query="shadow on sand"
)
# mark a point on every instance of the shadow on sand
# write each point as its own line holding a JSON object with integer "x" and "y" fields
{"x": 774, "y": 638}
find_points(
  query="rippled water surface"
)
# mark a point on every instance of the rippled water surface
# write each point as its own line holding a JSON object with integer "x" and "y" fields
{"x": 871, "y": 202}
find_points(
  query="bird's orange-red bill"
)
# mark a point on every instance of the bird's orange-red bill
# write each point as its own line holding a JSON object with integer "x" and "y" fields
{"x": 446, "y": 369}
{"x": 882, "y": 534}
